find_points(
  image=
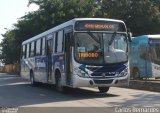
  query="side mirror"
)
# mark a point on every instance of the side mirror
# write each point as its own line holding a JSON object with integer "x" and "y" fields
{"x": 129, "y": 35}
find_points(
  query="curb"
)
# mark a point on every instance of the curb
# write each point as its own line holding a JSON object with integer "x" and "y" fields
{"x": 144, "y": 85}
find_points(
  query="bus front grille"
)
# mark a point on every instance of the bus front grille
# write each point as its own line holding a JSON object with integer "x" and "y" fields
{"x": 103, "y": 81}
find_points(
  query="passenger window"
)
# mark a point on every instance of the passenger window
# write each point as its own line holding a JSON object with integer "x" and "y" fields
{"x": 59, "y": 42}
{"x": 28, "y": 49}
{"x": 43, "y": 46}
{"x": 23, "y": 51}
{"x": 38, "y": 47}
{"x": 32, "y": 52}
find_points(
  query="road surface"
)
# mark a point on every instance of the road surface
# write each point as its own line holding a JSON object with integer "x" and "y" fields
{"x": 15, "y": 91}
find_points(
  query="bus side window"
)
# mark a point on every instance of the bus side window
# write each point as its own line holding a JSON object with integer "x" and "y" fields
{"x": 23, "y": 54}
{"x": 38, "y": 47}
{"x": 28, "y": 51}
{"x": 32, "y": 49}
{"x": 59, "y": 42}
{"x": 35, "y": 46}
{"x": 43, "y": 46}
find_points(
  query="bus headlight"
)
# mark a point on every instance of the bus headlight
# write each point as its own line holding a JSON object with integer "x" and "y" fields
{"x": 124, "y": 72}
{"x": 80, "y": 73}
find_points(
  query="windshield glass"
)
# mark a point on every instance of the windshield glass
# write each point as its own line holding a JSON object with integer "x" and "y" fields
{"x": 100, "y": 48}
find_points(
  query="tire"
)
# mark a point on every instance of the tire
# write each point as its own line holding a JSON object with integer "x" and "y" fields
{"x": 103, "y": 89}
{"x": 59, "y": 87}
{"x": 135, "y": 73}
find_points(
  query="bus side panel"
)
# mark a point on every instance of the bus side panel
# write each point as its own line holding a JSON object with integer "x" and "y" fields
{"x": 40, "y": 73}
{"x": 26, "y": 66}
{"x": 156, "y": 70}
{"x": 58, "y": 64}
{"x": 24, "y": 69}
{"x": 139, "y": 58}
{"x": 143, "y": 61}
{"x": 155, "y": 56}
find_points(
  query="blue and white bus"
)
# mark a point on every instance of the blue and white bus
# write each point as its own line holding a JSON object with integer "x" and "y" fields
{"x": 82, "y": 52}
{"x": 144, "y": 56}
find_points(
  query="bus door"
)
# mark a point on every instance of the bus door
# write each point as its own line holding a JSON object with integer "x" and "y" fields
{"x": 49, "y": 59}
{"x": 68, "y": 55}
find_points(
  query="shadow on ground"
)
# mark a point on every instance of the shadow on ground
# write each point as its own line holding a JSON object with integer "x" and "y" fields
{"x": 15, "y": 91}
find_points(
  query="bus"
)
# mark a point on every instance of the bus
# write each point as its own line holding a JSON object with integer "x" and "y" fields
{"x": 144, "y": 56}
{"x": 82, "y": 52}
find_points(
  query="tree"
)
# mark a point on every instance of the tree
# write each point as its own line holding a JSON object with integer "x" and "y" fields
{"x": 58, "y": 11}
{"x": 142, "y": 16}
{"x": 50, "y": 14}
{"x": 9, "y": 53}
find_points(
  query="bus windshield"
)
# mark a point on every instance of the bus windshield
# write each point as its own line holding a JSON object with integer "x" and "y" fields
{"x": 99, "y": 48}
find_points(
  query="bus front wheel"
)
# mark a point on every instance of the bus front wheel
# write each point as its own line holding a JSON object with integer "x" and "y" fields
{"x": 103, "y": 89}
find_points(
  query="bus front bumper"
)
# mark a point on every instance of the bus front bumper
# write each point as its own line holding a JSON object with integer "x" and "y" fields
{"x": 100, "y": 82}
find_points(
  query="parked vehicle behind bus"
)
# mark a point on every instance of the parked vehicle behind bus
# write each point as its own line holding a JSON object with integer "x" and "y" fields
{"x": 144, "y": 56}
{"x": 83, "y": 52}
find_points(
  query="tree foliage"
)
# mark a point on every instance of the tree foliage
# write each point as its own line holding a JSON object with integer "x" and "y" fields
{"x": 141, "y": 16}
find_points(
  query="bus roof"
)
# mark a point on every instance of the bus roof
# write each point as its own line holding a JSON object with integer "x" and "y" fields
{"x": 154, "y": 36}
{"x": 105, "y": 19}
{"x": 65, "y": 24}
{"x": 147, "y": 36}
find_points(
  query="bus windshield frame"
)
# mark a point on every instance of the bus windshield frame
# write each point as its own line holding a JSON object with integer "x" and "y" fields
{"x": 95, "y": 28}
{"x": 102, "y": 52}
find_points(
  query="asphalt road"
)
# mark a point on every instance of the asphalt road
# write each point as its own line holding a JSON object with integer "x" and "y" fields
{"x": 17, "y": 92}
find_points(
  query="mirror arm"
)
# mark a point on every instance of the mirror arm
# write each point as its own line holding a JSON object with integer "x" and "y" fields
{"x": 129, "y": 35}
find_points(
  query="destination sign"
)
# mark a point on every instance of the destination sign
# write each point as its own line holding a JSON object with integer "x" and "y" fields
{"x": 88, "y": 55}
{"x": 94, "y": 25}
{"x": 98, "y": 26}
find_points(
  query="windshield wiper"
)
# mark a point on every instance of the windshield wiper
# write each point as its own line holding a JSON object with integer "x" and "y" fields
{"x": 93, "y": 37}
{"x": 112, "y": 38}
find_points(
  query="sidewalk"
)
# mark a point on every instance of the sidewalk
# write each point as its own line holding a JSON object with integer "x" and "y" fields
{"x": 149, "y": 85}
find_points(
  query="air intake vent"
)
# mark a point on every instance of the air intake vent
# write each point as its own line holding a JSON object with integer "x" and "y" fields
{"x": 103, "y": 81}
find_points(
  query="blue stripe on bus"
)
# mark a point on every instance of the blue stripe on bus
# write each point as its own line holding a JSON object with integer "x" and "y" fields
{"x": 109, "y": 70}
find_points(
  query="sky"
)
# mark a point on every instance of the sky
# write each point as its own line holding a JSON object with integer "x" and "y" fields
{"x": 11, "y": 11}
